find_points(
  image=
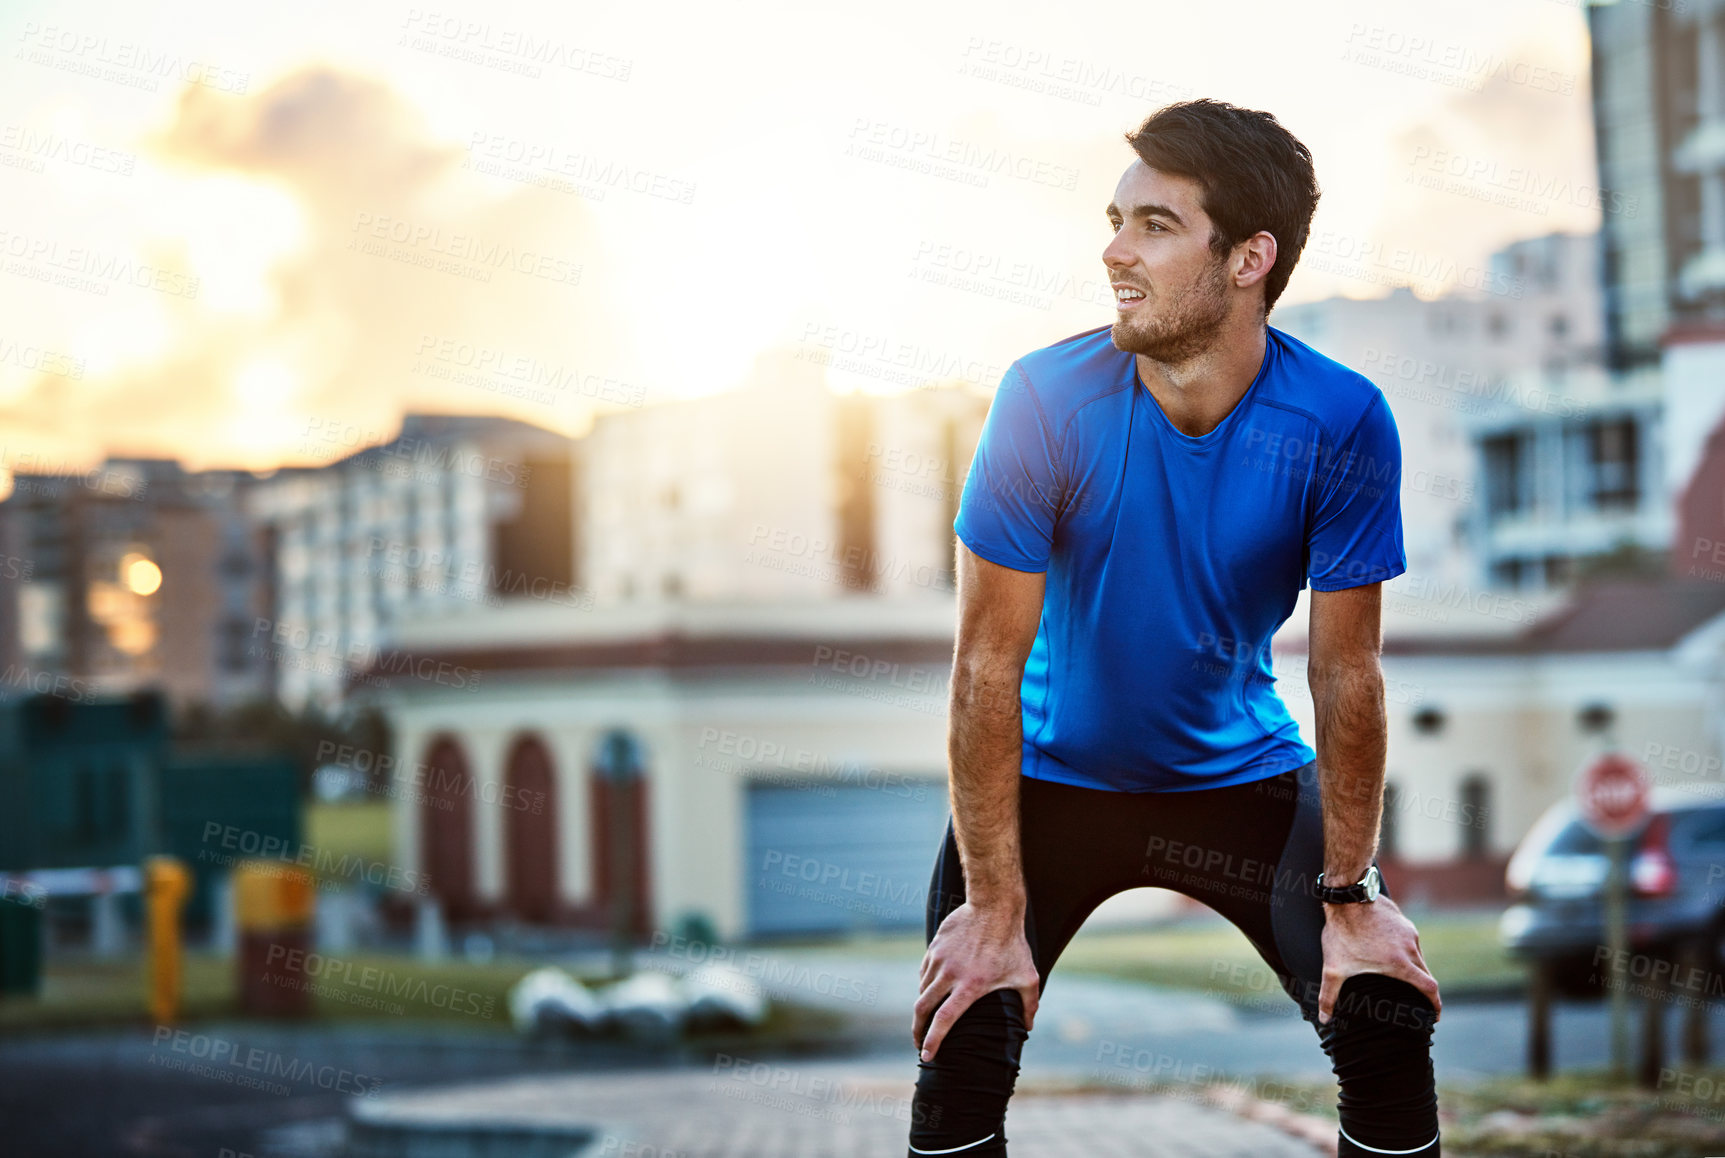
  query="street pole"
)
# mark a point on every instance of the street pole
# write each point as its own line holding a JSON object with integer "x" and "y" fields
{"x": 1617, "y": 941}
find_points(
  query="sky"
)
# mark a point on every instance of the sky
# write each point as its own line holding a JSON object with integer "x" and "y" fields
{"x": 238, "y": 235}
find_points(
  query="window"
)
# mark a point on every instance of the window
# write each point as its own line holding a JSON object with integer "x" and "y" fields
{"x": 233, "y": 649}
{"x": 1575, "y": 839}
{"x": 1508, "y": 459}
{"x": 1700, "y": 826}
{"x": 1507, "y": 573}
{"x": 1612, "y": 462}
{"x": 1475, "y": 816}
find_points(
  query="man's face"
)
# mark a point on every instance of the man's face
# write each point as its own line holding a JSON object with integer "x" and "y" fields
{"x": 1161, "y": 250}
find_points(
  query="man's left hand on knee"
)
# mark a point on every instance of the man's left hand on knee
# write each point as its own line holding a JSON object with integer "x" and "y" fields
{"x": 1372, "y": 937}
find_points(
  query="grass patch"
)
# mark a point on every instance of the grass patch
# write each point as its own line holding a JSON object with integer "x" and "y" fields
{"x": 1588, "y": 1114}
{"x": 81, "y": 992}
{"x": 1206, "y": 953}
{"x": 358, "y": 829}
{"x": 1211, "y": 955}
{"x": 1581, "y": 1114}
{"x": 86, "y": 993}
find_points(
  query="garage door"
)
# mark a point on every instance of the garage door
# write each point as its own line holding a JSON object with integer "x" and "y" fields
{"x": 841, "y": 858}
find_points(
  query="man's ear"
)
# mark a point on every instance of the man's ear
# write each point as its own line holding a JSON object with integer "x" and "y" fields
{"x": 1254, "y": 259}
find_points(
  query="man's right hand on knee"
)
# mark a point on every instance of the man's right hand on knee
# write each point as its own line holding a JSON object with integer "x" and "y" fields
{"x": 974, "y": 952}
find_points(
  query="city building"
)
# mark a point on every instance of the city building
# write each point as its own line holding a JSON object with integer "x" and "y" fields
{"x": 1573, "y": 476}
{"x": 1444, "y": 362}
{"x": 777, "y": 766}
{"x": 1659, "y": 123}
{"x": 779, "y": 490}
{"x": 133, "y": 575}
{"x": 454, "y": 512}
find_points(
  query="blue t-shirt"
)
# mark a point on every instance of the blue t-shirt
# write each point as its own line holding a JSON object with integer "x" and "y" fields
{"x": 1172, "y": 560}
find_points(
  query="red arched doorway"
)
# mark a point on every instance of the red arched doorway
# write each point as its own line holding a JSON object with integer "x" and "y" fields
{"x": 446, "y": 829}
{"x": 530, "y": 829}
{"x": 618, "y": 811}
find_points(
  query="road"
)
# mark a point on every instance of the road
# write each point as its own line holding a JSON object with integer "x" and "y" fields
{"x": 133, "y": 1092}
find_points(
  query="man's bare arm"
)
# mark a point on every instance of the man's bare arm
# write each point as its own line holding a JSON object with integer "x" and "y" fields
{"x": 998, "y": 613}
{"x": 980, "y": 946}
{"x": 1347, "y": 682}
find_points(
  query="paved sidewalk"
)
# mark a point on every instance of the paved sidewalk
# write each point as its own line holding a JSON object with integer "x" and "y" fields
{"x": 744, "y": 1109}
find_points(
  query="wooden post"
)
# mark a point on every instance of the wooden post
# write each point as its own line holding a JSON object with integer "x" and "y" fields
{"x": 1696, "y": 961}
{"x": 1617, "y": 939}
{"x": 1538, "y": 1019}
{"x": 1653, "y": 1003}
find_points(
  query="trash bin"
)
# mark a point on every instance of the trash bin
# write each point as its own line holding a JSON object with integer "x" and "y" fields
{"x": 274, "y": 907}
{"x": 20, "y": 944}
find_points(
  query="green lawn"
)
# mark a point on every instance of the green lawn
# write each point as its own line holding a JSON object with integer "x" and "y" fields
{"x": 83, "y": 991}
{"x": 89, "y": 992}
{"x": 1460, "y": 948}
{"x": 1574, "y": 1115}
{"x": 363, "y": 987}
{"x": 1587, "y": 1115}
{"x": 1207, "y": 953}
{"x": 359, "y": 829}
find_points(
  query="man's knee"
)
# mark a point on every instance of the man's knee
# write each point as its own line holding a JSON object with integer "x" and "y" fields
{"x": 1379, "y": 1042}
{"x": 1377, "y": 1007}
{"x": 961, "y": 1095}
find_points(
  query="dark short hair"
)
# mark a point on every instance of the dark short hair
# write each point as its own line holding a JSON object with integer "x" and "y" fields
{"x": 1254, "y": 174}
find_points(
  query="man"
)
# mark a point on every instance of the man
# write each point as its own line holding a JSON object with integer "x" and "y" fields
{"x": 1145, "y": 504}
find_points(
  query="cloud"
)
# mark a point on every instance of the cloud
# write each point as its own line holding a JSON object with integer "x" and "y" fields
{"x": 1510, "y": 161}
{"x": 330, "y": 134}
{"x": 398, "y": 247}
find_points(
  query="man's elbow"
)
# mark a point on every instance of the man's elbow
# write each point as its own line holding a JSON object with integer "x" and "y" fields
{"x": 1360, "y": 674}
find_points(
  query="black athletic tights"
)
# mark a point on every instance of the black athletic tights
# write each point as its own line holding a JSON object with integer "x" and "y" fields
{"x": 1252, "y": 852}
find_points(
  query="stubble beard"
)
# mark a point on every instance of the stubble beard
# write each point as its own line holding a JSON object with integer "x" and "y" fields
{"x": 1188, "y": 326}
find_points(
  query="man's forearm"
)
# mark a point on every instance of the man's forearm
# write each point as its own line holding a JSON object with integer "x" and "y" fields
{"x": 985, "y": 750}
{"x": 1352, "y": 743}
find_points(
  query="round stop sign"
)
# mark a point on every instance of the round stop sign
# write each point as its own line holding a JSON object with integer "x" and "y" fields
{"x": 1612, "y": 795}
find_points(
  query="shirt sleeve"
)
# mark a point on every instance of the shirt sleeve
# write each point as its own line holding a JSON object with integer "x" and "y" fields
{"x": 1355, "y": 534}
{"x": 1011, "y": 497}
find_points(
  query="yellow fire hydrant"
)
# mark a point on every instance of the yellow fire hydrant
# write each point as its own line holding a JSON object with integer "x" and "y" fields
{"x": 166, "y": 885}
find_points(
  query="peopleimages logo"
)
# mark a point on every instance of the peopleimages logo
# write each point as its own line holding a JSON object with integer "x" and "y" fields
{"x": 237, "y": 843}
{"x": 224, "y": 1059}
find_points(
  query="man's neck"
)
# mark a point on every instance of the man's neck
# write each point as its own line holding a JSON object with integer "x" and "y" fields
{"x": 1198, "y": 393}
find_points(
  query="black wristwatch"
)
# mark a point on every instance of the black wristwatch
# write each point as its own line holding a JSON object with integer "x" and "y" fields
{"x": 1366, "y": 889}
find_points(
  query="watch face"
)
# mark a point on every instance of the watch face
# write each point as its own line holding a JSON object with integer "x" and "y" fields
{"x": 1373, "y": 882}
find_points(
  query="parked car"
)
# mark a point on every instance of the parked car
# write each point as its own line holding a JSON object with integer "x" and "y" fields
{"x": 1556, "y": 879}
